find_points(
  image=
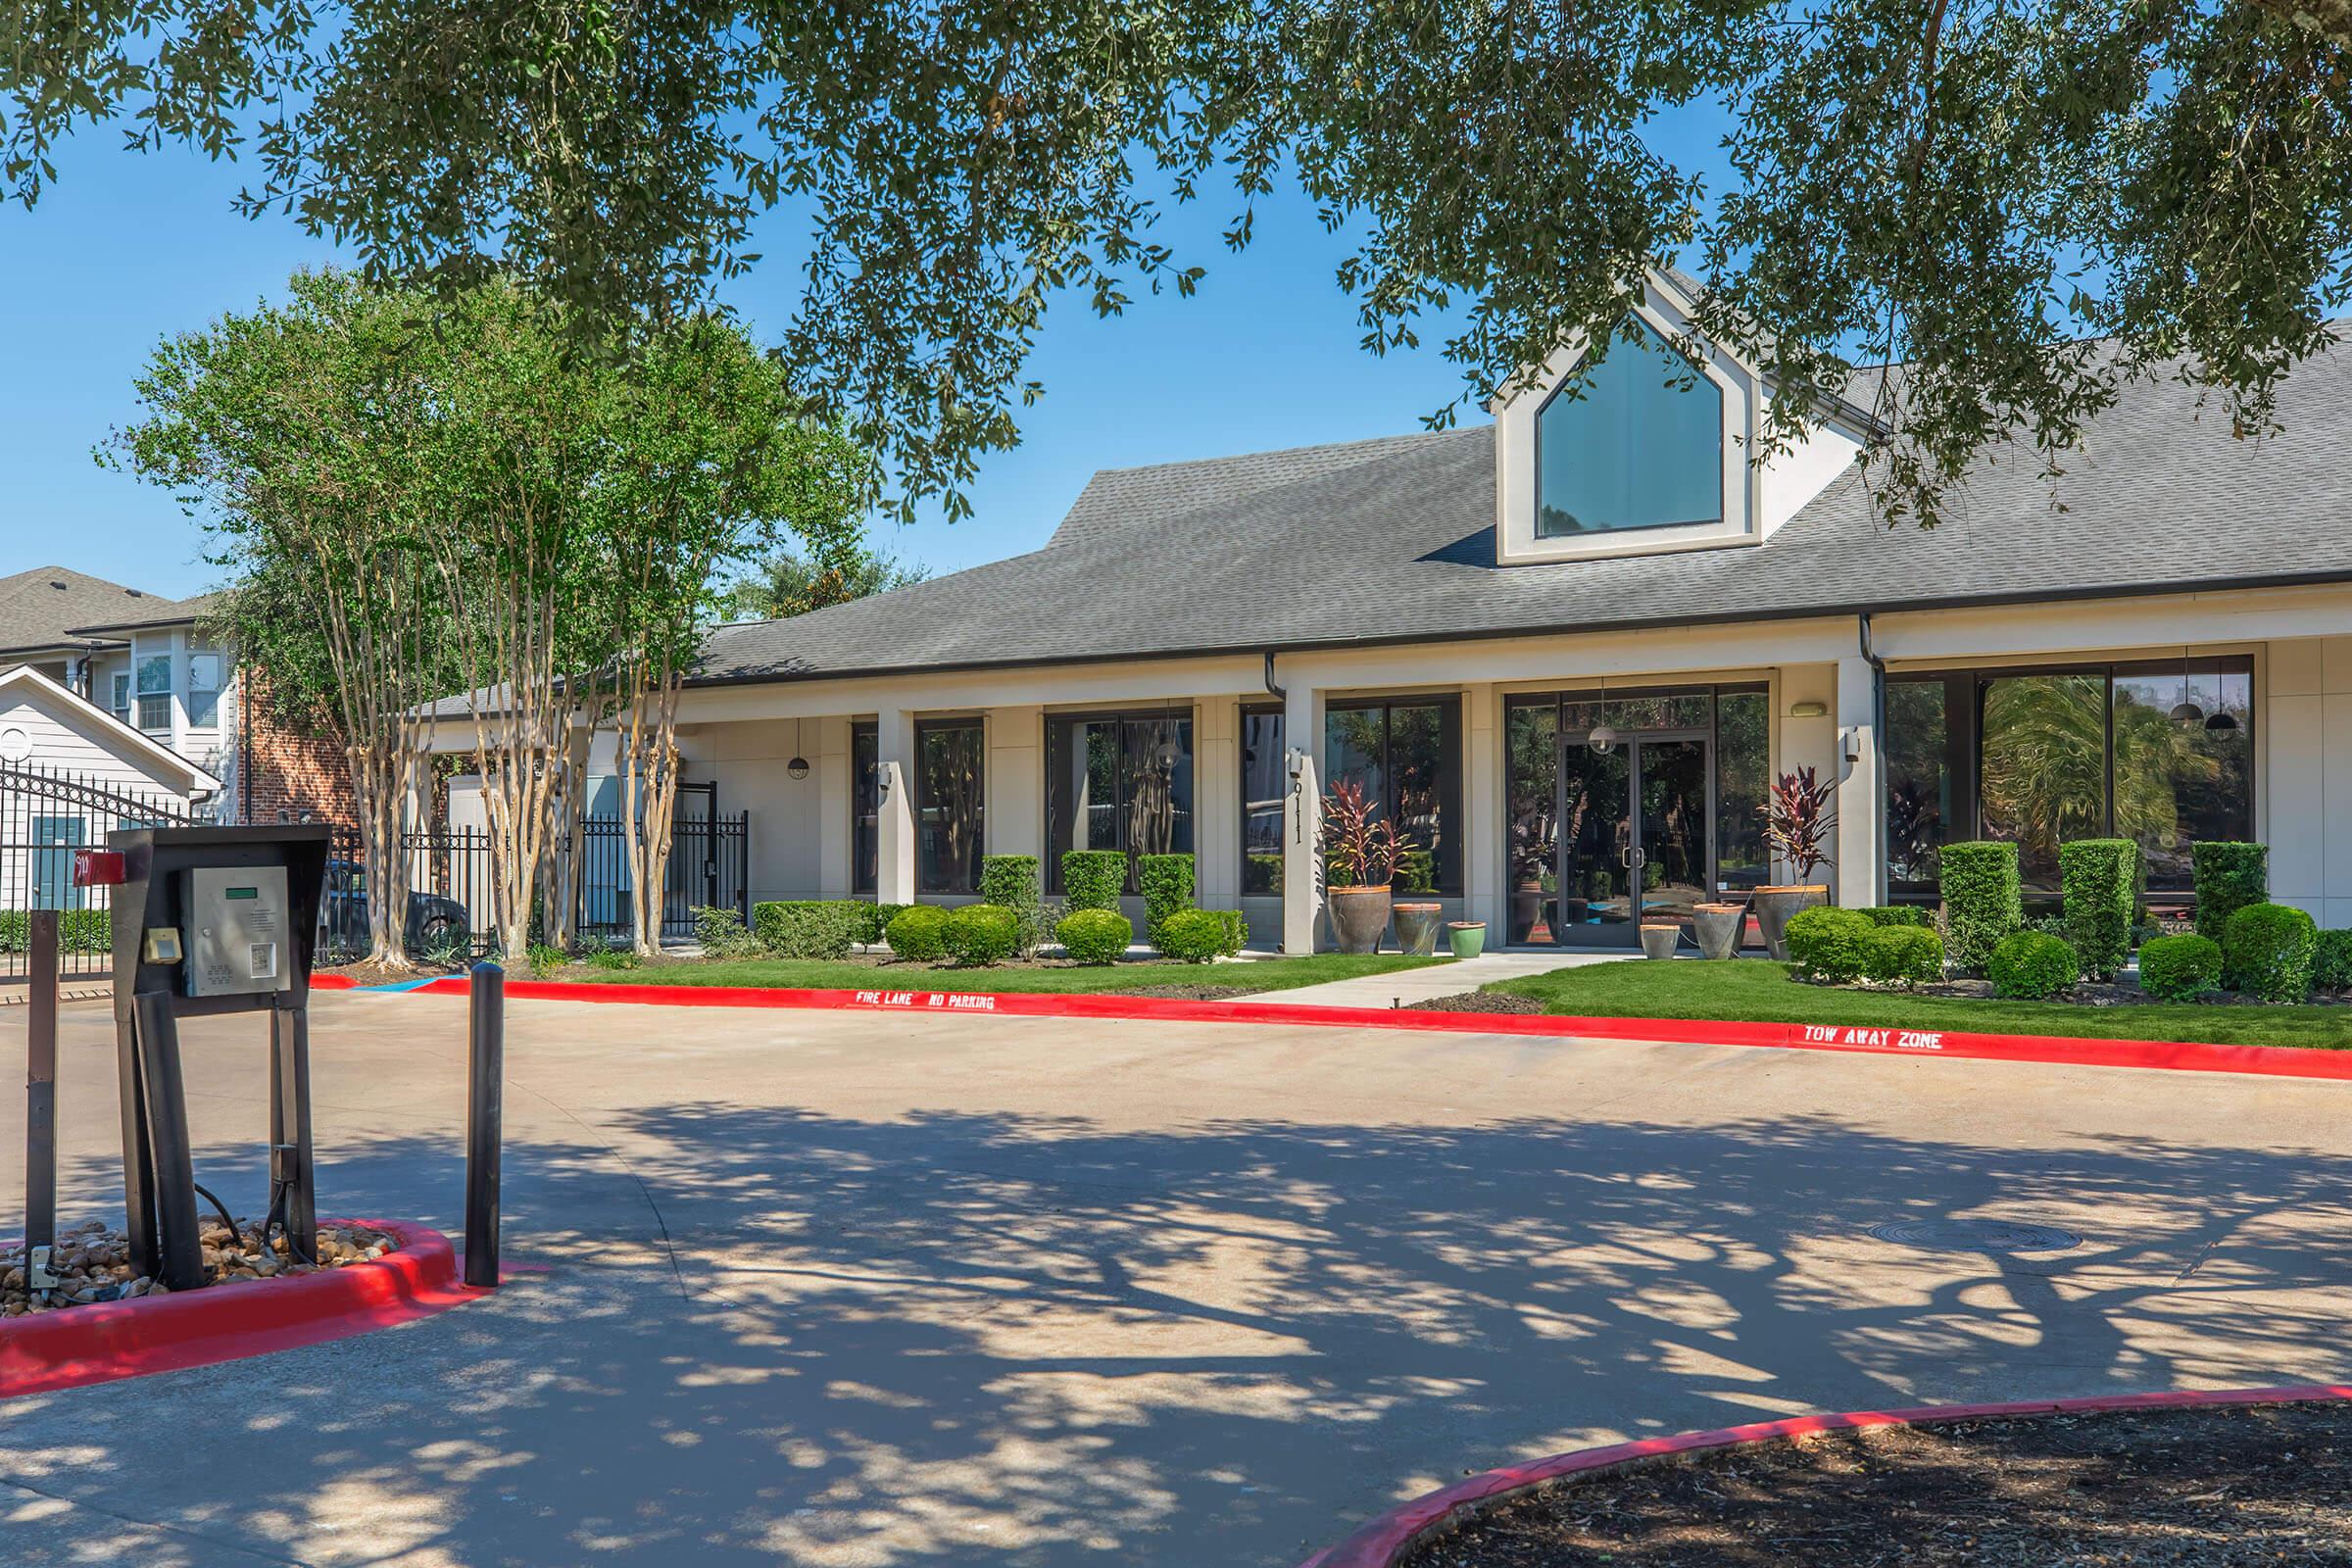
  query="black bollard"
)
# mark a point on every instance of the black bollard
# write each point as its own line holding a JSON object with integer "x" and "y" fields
{"x": 485, "y": 1081}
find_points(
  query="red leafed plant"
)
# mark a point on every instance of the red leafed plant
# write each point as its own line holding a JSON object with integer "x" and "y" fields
{"x": 1358, "y": 850}
{"x": 1797, "y": 820}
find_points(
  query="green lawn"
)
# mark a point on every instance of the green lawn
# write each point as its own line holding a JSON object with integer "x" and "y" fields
{"x": 817, "y": 974}
{"x": 1760, "y": 991}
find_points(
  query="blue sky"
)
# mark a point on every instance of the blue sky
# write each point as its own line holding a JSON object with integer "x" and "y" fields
{"x": 128, "y": 247}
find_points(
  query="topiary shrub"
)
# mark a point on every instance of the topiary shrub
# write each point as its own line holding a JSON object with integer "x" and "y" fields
{"x": 1911, "y": 914}
{"x": 1009, "y": 881}
{"x": 2033, "y": 966}
{"x": 2180, "y": 969}
{"x": 1094, "y": 879}
{"x": 1094, "y": 936}
{"x": 1826, "y": 944}
{"x": 2097, "y": 882}
{"x": 721, "y": 934}
{"x": 873, "y": 920}
{"x": 808, "y": 928}
{"x": 1192, "y": 936}
{"x": 1166, "y": 881}
{"x": 979, "y": 934}
{"x": 2332, "y": 962}
{"x": 2228, "y": 877}
{"x": 1237, "y": 932}
{"x": 77, "y": 930}
{"x": 1902, "y": 955}
{"x": 918, "y": 932}
{"x": 2267, "y": 952}
{"x": 1982, "y": 905}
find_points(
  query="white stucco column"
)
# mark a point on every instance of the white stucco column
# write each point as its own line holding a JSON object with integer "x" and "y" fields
{"x": 1217, "y": 802}
{"x": 1861, "y": 793}
{"x": 1303, "y": 818}
{"x": 836, "y": 826}
{"x": 894, "y": 749}
{"x": 1016, "y": 782}
{"x": 1485, "y": 877}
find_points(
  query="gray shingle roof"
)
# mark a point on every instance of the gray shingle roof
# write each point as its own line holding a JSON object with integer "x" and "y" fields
{"x": 1392, "y": 540}
{"x": 155, "y": 612}
{"x": 49, "y": 608}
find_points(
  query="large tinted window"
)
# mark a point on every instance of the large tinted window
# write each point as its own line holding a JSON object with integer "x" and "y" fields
{"x": 1265, "y": 785}
{"x": 1532, "y": 779}
{"x": 1405, "y": 757}
{"x": 1122, "y": 781}
{"x": 866, "y": 806}
{"x": 1742, "y": 769}
{"x": 950, "y": 778}
{"x": 1640, "y": 446}
{"x": 2042, "y": 768}
{"x": 2178, "y": 781}
{"x": 1920, "y": 784}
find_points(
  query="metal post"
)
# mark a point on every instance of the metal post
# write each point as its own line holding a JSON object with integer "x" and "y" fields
{"x": 485, "y": 1081}
{"x": 183, "y": 1253}
{"x": 290, "y": 1168}
{"x": 40, "y": 1092}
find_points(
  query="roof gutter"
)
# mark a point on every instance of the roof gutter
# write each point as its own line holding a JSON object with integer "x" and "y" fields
{"x": 1877, "y": 751}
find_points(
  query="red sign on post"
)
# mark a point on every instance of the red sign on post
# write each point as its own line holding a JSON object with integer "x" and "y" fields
{"x": 97, "y": 869}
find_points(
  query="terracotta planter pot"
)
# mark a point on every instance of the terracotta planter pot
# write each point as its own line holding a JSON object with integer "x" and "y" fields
{"x": 1775, "y": 906}
{"x": 1659, "y": 941}
{"x": 1717, "y": 926}
{"x": 1359, "y": 917}
{"x": 1467, "y": 938}
{"x": 1417, "y": 927}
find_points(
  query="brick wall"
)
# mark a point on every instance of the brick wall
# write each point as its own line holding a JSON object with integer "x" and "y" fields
{"x": 283, "y": 774}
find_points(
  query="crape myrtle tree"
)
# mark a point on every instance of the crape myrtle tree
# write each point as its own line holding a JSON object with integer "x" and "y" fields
{"x": 709, "y": 462}
{"x": 299, "y": 434}
{"x": 1978, "y": 189}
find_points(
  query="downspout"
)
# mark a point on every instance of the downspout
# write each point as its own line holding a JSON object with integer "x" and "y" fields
{"x": 1878, "y": 749}
{"x": 1273, "y": 690}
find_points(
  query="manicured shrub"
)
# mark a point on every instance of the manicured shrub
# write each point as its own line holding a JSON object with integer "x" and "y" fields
{"x": 2099, "y": 880}
{"x": 982, "y": 933}
{"x": 2267, "y": 951}
{"x": 1237, "y": 932}
{"x": 2180, "y": 969}
{"x": 721, "y": 933}
{"x": 78, "y": 931}
{"x": 2332, "y": 962}
{"x": 1192, "y": 936}
{"x": 2031, "y": 965}
{"x": 808, "y": 928}
{"x": 2227, "y": 876}
{"x": 1982, "y": 905}
{"x": 1094, "y": 936}
{"x": 1913, "y": 914}
{"x": 1166, "y": 881}
{"x": 1826, "y": 944}
{"x": 1092, "y": 879}
{"x": 1902, "y": 955}
{"x": 918, "y": 932}
{"x": 873, "y": 920}
{"x": 1417, "y": 871}
{"x": 1009, "y": 881}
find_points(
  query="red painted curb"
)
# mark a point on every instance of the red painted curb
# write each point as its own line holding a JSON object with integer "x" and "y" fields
{"x": 111, "y": 1340}
{"x": 1379, "y": 1543}
{"x": 2283, "y": 1061}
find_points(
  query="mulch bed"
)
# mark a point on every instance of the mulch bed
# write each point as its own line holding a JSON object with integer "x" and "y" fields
{"x": 94, "y": 1263}
{"x": 2201, "y": 1488}
{"x": 1186, "y": 992}
{"x": 1480, "y": 1002}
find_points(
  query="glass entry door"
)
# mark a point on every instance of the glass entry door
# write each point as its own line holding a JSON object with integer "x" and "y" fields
{"x": 1633, "y": 824}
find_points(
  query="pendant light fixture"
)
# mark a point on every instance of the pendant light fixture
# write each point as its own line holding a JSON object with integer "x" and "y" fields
{"x": 2222, "y": 720}
{"x": 1167, "y": 754}
{"x": 797, "y": 767}
{"x": 2187, "y": 712}
{"x": 1603, "y": 737}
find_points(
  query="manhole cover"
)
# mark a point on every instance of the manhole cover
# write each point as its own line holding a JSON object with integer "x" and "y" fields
{"x": 1977, "y": 1236}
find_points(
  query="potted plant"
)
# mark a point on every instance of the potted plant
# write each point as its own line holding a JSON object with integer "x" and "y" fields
{"x": 1417, "y": 927}
{"x": 1360, "y": 853}
{"x": 1796, "y": 824}
{"x": 1659, "y": 937}
{"x": 1717, "y": 926}
{"x": 1467, "y": 938}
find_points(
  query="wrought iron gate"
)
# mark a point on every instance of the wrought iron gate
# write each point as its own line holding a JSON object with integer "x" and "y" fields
{"x": 45, "y": 815}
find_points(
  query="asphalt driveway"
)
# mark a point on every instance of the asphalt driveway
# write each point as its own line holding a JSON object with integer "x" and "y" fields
{"x": 851, "y": 1289}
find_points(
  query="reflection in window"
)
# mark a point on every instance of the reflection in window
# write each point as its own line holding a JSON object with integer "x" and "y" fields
{"x": 1531, "y": 741}
{"x": 2176, "y": 782}
{"x": 865, "y": 810}
{"x": 1118, "y": 782}
{"x": 1265, "y": 785}
{"x": 2041, "y": 774}
{"x": 155, "y": 693}
{"x": 1919, "y": 784}
{"x": 204, "y": 691}
{"x": 950, "y": 772}
{"x": 1742, "y": 769}
{"x": 1640, "y": 446}
{"x": 1403, "y": 756}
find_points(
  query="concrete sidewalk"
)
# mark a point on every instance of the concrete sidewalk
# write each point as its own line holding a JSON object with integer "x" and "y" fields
{"x": 1406, "y": 987}
{"x": 864, "y": 1291}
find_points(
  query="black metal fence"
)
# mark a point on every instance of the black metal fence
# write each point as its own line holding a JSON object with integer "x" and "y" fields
{"x": 453, "y": 891}
{"x": 45, "y": 815}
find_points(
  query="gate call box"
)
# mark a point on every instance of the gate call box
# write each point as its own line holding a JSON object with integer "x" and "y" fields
{"x": 210, "y": 920}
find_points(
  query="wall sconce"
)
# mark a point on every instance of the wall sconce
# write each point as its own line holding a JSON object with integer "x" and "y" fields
{"x": 882, "y": 778}
{"x": 1810, "y": 708}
